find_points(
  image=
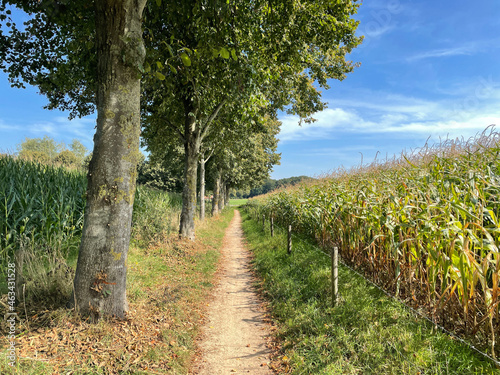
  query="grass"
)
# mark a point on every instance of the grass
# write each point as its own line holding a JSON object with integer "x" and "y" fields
{"x": 167, "y": 287}
{"x": 368, "y": 333}
{"x": 237, "y": 202}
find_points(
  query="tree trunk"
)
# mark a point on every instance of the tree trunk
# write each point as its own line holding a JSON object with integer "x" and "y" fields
{"x": 227, "y": 195}
{"x": 100, "y": 280}
{"x": 215, "y": 200}
{"x": 202, "y": 187}
{"x": 221, "y": 196}
{"x": 192, "y": 149}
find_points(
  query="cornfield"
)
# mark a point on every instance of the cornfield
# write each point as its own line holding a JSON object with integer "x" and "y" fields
{"x": 424, "y": 226}
{"x": 38, "y": 202}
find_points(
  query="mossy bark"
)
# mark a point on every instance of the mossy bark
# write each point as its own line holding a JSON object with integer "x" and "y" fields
{"x": 226, "y": 200}
{"x": 192, "y": 150}
{"x": 202, "y": 187}
{"x": 221, "y": 196}
{"x": 216, "y": 190}
{"x": 100, "y": 280}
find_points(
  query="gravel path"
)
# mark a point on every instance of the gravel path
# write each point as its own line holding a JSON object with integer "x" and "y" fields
{"x": 234, "y": 341}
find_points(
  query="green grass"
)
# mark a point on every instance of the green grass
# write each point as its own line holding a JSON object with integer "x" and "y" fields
{"x": 237, "y": 202}
{"x": 368, "y": 333}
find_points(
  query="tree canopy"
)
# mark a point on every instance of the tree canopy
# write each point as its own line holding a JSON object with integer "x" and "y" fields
{"x": 240, "y": 59}
{"x": 209, "y": 70}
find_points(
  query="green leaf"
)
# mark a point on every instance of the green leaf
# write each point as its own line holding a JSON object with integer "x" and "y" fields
{"x": 185, "y": 59}
{"x": 172, "y": 69}
{"x": 147, "y": 67}
{"x": 159, "y": 65}
{"x": 224, "y": 53}
{"x": 233, "y": 54}
{"x": 160, "y": 76}
{"x": 158, "y": 2}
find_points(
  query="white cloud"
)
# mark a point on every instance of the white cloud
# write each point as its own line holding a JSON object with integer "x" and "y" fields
{"x": 445, "y": 52}
{"x": 327, "y": 121}
{"x": 381, "y": 114}
{"x": 45, "y": 128}
{"x": 8, "y": 127}
{"x": 59, "y": 128}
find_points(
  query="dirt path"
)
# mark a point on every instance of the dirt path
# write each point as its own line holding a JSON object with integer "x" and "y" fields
{"x": 234, "y": 341}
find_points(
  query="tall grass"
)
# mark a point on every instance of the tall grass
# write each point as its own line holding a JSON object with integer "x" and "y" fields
{"x": 424, "y": 226}
{"x": 155, "y": 214}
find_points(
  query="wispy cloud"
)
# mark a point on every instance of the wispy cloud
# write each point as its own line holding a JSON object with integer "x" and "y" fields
{"x": 396, "y": 115}
{"x": 445, "y": 52}
{"x": 59, "y": 128}
{"x": 45, "y": 128}
{"x": 8, "y": 127}
{"x": 327, "y": 121}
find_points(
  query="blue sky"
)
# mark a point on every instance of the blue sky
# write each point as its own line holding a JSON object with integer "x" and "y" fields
{"x": 428, "y": 69}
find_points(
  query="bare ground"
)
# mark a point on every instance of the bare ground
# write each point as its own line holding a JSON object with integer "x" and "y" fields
{"x": 235, "y": 334}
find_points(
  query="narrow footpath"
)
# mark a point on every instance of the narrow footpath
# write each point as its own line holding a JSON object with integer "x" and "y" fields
{"x": 234, "y": 335}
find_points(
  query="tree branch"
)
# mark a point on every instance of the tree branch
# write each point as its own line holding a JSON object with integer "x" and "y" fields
{"x": 176, "y": 129}
{"x": 211, "y": 119}
{"x": 209, "y": 156}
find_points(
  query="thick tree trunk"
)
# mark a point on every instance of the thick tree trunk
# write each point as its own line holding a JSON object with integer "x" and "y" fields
{"x": 192, "y": 149}
{"x": 221, "y": 196}
{"x": 100, "y": 280}
{"x": 202, "y": 187}
{"x": 215, "y": 200}
{"x": 226, "y": 200}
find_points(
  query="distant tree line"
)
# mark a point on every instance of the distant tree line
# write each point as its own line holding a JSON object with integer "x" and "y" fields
{"x": 47, "y": 151}
{"x": 268, "y": 186}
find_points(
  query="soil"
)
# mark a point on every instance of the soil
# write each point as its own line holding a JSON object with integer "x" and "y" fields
{"x": 234, "y": 339}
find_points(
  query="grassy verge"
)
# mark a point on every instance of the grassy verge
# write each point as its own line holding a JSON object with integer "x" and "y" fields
{"x": 368, "y": 333}
{"x": 167, "y": 285}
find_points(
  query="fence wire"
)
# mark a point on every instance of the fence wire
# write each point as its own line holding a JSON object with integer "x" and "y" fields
{"x": 416, "y": 312}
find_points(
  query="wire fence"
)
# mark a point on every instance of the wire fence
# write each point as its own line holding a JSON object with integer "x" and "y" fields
{"x": 413, "y": 310}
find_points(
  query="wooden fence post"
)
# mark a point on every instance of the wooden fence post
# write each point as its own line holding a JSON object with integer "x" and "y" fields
{"x": 289, "y": 239}
{"x": 272, "y": 226}
{"x": 335, "y": 276}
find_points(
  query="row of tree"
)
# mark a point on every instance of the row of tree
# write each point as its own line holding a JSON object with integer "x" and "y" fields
{"x": 207, "y": 76}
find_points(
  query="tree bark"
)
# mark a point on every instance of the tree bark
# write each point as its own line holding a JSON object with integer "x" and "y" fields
{"x": 226, "y": 200}
{"x": 202, "y": 187}
{"x": 192, "y": 149}
{"x": 100, "y": 280}
{"x": 194, "y": 133}
{"x": 216, "y": 194}
{"x": 221, "y": 196}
